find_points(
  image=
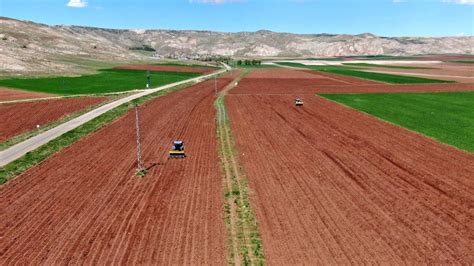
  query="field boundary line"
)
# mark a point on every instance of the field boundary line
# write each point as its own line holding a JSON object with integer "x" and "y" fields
{"x": 244, "y": 241}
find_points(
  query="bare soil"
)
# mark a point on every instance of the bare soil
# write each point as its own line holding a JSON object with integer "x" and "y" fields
{"x": 7, "y": 94}
{"x": 17, "y": 118}
{"x": 85, "y": 204}
{"x": 331, "y": 185}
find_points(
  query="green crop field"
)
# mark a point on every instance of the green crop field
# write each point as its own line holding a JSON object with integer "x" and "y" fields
{"x": 385, "y": 66}
{"x": 463, "y": 62}
{"x": 445, "y": 116}
{"x": 109, "y": 80}
{"x": 354, "y": 72}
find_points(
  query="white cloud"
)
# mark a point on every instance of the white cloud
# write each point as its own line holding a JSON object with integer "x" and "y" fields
{"x": 460, "y": 2}
{"x": 77, "y": 3}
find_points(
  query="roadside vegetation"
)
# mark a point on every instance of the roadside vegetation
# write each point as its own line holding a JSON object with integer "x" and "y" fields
{"x": 244, "y": 241}
{"x": 36, "y": 156}
{"x": 354, "y": 72}
{"x": 385, "y": 66}
{"x": 106, "y": 81}
{"x": 444, "y": 116}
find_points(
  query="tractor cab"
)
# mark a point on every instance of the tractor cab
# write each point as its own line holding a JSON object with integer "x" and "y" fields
{"x": 177, "y": 150}
{"x": 298, "y": 102}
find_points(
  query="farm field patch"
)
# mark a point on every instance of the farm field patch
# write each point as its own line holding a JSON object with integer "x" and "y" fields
{"x": 106, "y": 81}
{"x": 447, "y": 117}
{"x": 85, "y": 204}
{"x": 385, "y": 66}
{"x": 331, "y": 185}
{"x": 17, "y": 118}
{"x": 7, "y": 94}
{"x": 301, "y": 82}
{"x": 381, "y": 77}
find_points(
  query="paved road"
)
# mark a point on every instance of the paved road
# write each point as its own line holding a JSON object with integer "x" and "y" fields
{"x": 20, "y": 149}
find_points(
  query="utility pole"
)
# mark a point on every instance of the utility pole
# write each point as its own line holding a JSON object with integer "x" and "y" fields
{"x": 215, "y": 85}
{"x": 141, "y": 171}
{"x": 148, "y": 79}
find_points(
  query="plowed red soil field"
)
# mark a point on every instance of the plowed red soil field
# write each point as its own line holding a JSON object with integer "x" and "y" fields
{"x": 11, "y": 94}
{"x": 334, "y": 186}
{"x": 165, "y": 68}
{"x": 85, "y": 204}
{"x": 17, "y": 118}
{"x": 331, "y": 185}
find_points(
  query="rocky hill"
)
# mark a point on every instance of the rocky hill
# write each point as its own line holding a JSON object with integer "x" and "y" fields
{"x": 28, "y": 47}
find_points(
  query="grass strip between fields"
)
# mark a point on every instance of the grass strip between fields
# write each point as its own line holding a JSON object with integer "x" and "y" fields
{"x": 244, "y": 241}
{"x": 355, "y": 72}
{"x": 444, "y": 116}
{"x": 36, "y": 156}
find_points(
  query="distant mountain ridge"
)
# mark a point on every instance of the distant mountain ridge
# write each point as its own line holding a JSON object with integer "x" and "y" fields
{"x": 29, "y": 47}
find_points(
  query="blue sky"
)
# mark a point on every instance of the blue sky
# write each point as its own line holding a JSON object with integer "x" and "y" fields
{"x": 381, "y": 17}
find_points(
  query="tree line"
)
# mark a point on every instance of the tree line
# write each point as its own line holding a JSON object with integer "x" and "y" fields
{"x": 249, "y": 62}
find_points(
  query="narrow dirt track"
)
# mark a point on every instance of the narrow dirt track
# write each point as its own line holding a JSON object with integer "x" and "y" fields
{"x": 335, "y": 186}
{"x": 17, "y": 118}
{"x": 85, "y": 205}
{"x": 12, "y": 94}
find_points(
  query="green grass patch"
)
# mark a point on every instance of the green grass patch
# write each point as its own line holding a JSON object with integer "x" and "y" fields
{"x": 36, "y": 156}
{"x": 382, "y": 77}
{"x": 106, "y": 81}
{"x": 462, "y": 62}
{"x": 444, "y": 116}
{"x": 385, "y": 66}
{"x": 246, "y": 241}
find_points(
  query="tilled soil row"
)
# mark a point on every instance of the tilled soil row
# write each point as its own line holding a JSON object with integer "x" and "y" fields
{"x": 85, "y": 204}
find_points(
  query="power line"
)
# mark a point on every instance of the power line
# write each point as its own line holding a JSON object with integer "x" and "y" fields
{"x": 140, "y": 167}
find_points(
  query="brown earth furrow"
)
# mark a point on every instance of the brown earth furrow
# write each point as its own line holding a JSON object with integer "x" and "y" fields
{"x": 385, "y": 196}
{"x": 92, "y": 209}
